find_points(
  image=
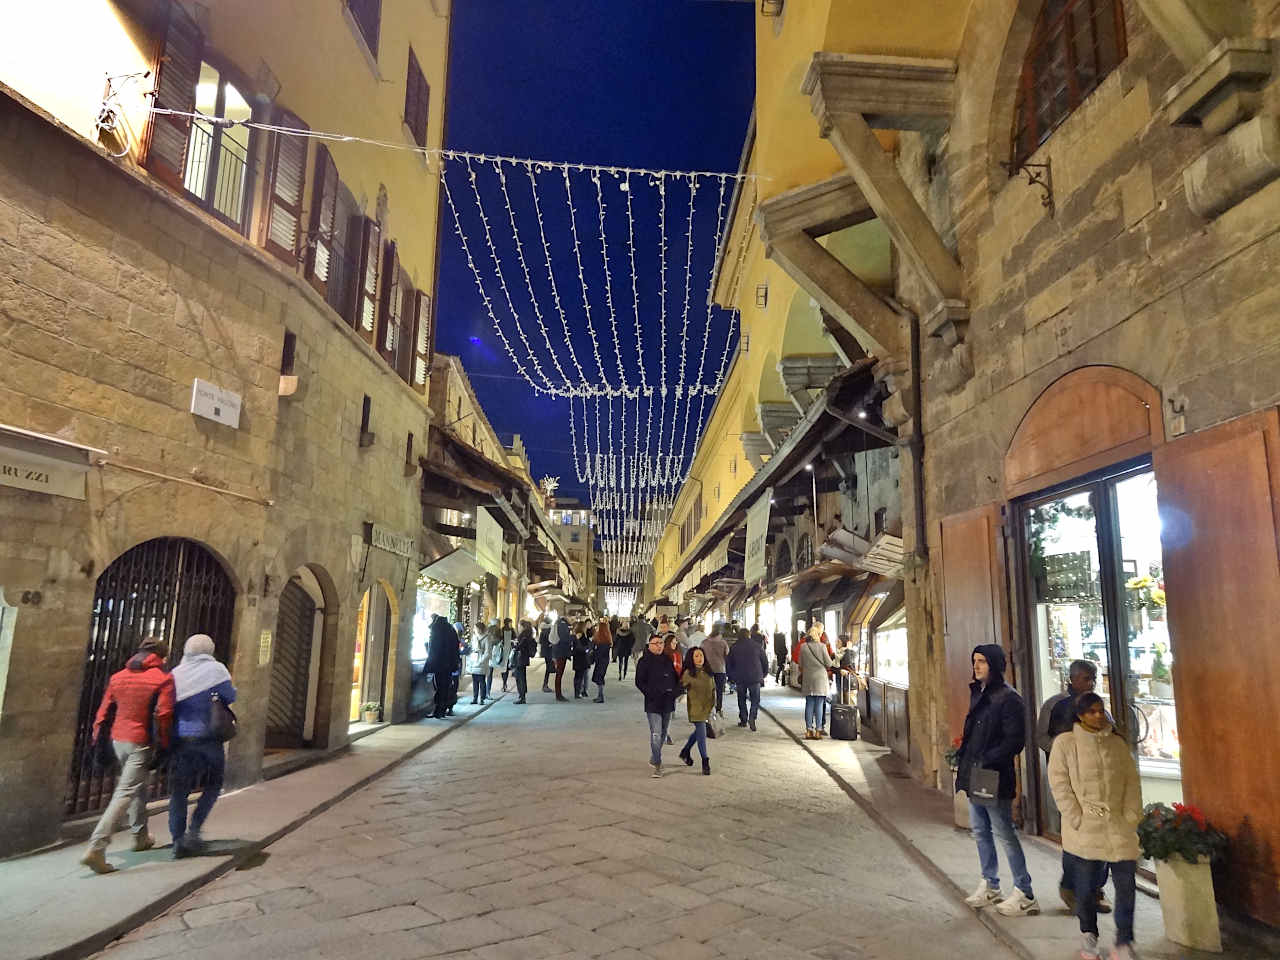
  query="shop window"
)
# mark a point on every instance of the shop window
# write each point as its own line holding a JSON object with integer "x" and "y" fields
{"x": 417, "y": 101}
{"x": 1074, "y": 45}
{"x": 890, "y": 645}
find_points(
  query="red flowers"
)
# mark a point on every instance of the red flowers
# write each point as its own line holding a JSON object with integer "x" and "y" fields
{"x": 1186, "y": 810}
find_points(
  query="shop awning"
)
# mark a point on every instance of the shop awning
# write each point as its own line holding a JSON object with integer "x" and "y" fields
{"x": 458, "y": 567}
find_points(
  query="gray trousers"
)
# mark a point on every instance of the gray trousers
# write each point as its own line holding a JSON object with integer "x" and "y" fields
{"x": 129, "y": 795}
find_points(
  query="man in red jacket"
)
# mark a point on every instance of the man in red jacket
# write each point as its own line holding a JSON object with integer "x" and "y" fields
{"x": 141, "y": 691}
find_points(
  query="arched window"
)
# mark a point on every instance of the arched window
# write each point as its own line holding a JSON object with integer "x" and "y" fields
{"x": 1074, "y": 45}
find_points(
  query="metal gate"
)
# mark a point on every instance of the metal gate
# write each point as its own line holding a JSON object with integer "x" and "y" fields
{"x": 169, "y": 588}
{"x": 290, "y": 668}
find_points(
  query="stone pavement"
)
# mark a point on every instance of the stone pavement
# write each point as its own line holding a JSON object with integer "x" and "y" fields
{"x": 536, "y": 831}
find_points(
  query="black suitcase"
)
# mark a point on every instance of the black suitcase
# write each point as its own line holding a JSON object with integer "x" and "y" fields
{"x": 844, "y": 722}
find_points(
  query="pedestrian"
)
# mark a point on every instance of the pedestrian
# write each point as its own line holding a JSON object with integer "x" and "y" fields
{"x": 624, "y": 641}
{"x": 547, "y": 653}
{"x": 460, "y": 652}
{"x": 815, "y": 682}
{"x": 601, "y": 651}
{"x": 694, "y": 635}
{"x": 522, "y": 655}
{"x": 508, "y": 646}
{"x": 581, "y": 658}
{"x": 994, "y": 735}
{"x": 700, "y": 688}
{"x": 442, "y": 647}
{"x": 642, "y": 628}
{"x": 563, "y": 650}
{"x": 1057, "y": 716}
{"x": 198, "y": 752}
{"x": 1095, "y": 782}
{"x": 672, "y": 649}
{"x": 780, "y": 654}
{"x": 497, "y": 655}
{"x": 747, "y": 665}
{"x": 478, "y": 664}
{"x": 657, "y": 679}
{"x": 139, "y": 699}
{"x": 715, "y": 649}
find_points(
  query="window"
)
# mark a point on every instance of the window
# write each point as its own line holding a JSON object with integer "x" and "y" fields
{"x": 217, "y": 161}
{"x": 287, "y": 353}
{"x": 368, "y": 17}
{"x": 391, "y": 306}
{"x": 366, "y": 412}
{"x": 423, "y": 340}
{"x": 408, "y": 451}
{"x": 1074, "y": 45}
{"x": 575, "y": 537}
{"x": 890, "y": 646}
{"x": 366, "y": 301}
{"x": 287, "y": 168}
{"x": 417, "y": 101}
{"x": 322, "y": 233}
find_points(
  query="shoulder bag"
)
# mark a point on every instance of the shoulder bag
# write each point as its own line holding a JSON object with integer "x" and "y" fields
{"x": 222, "y": 721}
{"x": 984, "y": 784}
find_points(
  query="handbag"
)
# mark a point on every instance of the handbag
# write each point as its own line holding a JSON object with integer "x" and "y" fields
{"x": 714, "y": 729}
{"x": 222, "y": 720}
{"x": 984, "y": 786}
{"x": 103, "y": 753}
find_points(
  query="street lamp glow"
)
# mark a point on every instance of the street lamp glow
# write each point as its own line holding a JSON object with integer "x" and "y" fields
{"x": 809, "y": 467}
{"x": 862, "y": 414}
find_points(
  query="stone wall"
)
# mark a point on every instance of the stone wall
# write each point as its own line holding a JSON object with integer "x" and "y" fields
{"x": 114, "y": 296}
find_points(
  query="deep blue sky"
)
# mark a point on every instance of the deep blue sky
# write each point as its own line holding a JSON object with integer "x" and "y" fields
{"x": 663, "y": 84}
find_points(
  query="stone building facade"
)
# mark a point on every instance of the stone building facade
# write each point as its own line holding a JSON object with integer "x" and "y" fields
{"x": 284, "y": 516}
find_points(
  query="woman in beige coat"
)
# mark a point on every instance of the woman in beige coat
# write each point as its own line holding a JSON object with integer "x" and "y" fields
{"x": 1094, "y": 779}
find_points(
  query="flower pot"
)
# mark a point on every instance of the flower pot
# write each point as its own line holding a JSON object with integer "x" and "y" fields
{"x": 371, "y": 716}
{"x": 1186, "y": 900}
{"x": 960, "y": 809}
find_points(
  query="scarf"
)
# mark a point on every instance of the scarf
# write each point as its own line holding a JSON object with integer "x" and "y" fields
{"x": 196, "y": 673}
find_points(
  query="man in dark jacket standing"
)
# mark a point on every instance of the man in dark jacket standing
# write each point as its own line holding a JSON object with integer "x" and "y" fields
{"x": 656, "y": 678}
{"x": 442, "y": 651}
{"x": 747, "y": 665}
{"x": 994, "y": 734}
{"x": 562, "y": 651}
{"x": 526, "y": 647}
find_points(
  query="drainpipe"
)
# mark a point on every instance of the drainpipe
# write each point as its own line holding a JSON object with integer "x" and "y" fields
{"x": 916, "y": 442}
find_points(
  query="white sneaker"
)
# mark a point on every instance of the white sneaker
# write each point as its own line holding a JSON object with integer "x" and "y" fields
{"x": 657, "y": 771}
{"x": 1089, "y": 947}
{"x": 985, "y": 894}
{"x": 1017, "y": 904}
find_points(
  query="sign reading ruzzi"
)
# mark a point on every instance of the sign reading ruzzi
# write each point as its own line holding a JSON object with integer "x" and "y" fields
{"x": 212, "y": 402}
{"x": 757, "y": 535}
{"x": 488, "y": 542}
{"x": 44, "y": 464}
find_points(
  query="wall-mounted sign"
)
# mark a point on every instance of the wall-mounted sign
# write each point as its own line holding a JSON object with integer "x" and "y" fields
{"x": 488, "y": 542}
{"x": 384, "y": 539}
{"x": 264, "y": 648}
{"x": 33, "y": 461}
{"x": 757, "y": 537}
{"x": 212, "y": 402}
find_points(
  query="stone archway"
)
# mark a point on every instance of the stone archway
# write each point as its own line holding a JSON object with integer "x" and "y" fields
{"x": 302, "y": 660}
{"x": 377, "y": 626}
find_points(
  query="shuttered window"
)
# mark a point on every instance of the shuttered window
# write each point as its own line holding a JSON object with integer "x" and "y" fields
{"x": 417, "y": 101}
{"x": 344, "y": 265}
{"x": 366, "y": 303}
{"x": 321, "y": 238}
{"x": 176, "y": 75}
{"x": 404, "y": 344}
{"x": 368, "y": 17}
{"x": 423, "y": 340}
{"x": 390, "y": 308}
{"x": 288, "y": 174}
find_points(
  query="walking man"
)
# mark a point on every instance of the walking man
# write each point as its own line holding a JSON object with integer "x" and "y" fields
{"x": 780, "y": 654}
{"x": 715, "y": 649}
{"x": 994, "y": 735}
{"x": 624, "y": 641}
{"x": 747, "y": 665}
{"x": 142, "y": 694}
{"x": 657, "y": 679}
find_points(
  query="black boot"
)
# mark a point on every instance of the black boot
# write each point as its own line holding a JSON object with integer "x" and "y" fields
{"x": 686, "y": 756}
{"x": 706, "y": 766}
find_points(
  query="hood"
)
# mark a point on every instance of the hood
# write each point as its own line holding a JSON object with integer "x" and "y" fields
{"x": 995, "y": 658}
{"x": 145, "y": 661}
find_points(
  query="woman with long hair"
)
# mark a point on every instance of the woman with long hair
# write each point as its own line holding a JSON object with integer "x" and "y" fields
{"x": 700, "y": 686}
{"x": 601, "y": 651}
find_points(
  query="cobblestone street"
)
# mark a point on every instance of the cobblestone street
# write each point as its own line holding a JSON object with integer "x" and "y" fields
{"x": 537, "y": 831}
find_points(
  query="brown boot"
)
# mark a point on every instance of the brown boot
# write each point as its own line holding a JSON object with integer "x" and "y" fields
{"x": 143, "y": 841}
{"x": 96, "y": 860}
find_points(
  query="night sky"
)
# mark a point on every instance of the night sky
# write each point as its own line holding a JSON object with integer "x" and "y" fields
{"x": 663, "y": 84}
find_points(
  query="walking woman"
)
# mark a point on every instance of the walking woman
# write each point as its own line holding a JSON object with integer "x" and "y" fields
{"x": 700, "y": 685}
{"x": 478, "y": 666}
{"x": 601, "y": 651}
{"x": 624, "y": 641}
{"x": 196, "y": 681}
{"x": 1094, "y": 779}
{"x": 815, "y": 683}
{"x": 656, "y": 678}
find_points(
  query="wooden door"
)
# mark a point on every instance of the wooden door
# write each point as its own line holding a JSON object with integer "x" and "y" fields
{"x": 1218, "y": 493}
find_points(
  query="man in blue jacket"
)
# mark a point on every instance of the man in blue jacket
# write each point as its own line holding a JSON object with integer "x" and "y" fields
{"x": 747, "y": 665}
{"x": 994, "y": 734}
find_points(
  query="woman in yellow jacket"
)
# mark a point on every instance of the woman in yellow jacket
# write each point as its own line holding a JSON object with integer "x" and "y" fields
{"x": 700, "y": 685}
{"x": 1094, "y": 779}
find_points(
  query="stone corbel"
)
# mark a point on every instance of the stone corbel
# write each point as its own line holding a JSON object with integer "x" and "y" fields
{"x": 1224, "y": 88}
{"x": 949, "y": 321}
{"x": 895, "y": 375}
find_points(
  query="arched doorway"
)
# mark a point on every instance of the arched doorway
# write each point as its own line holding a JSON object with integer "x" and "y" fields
{"x": 169, "y": 587}
{"x": 297, "y": 662}
{"x": 376, "y": 624}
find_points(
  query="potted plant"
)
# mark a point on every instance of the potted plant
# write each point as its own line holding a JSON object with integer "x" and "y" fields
{"x": 1161, "y": 678}
{"x": 1183, "y": 843}
{"x": 371, "y": 711}
{"x": 959, "y": 799}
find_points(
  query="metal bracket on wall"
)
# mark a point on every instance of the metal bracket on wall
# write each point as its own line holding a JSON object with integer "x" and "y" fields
{"x": 1038, "y": 175}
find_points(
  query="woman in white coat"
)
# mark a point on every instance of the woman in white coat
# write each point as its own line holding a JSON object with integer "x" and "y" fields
{"x": 498, "y": 647}
{"x": 478, "y": 665}
{"x": 1094, "y": 779}
{"x": 815, "y": 682}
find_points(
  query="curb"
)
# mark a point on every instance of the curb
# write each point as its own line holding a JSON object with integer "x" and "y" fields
{"x": 922, "y": 859}
{"x": 98, "y": 941}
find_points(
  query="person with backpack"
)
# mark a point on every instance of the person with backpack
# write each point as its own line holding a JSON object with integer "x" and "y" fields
{"x": 657, "y": 679}
{"x": 198, "y": 681}
{"x": 136, "y": 713}
{"x": 522, "y": 654}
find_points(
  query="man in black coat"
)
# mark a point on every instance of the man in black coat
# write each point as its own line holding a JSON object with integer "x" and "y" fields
{"x": 544, "y": 651}
{"x": 442, "y": 655}
{"x": 747, "y": 665}
{"x": 995, "y": 731}
{"x": 656, "y": 679}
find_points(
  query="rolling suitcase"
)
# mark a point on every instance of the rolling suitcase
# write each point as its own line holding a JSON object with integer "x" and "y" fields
{"x": 844, "y": 722}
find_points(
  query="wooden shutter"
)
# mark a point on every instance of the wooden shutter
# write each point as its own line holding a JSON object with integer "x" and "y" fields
{"x": 1219, "y": 493}
{"x": 324, "y": 218}
{"x": 423, "y": 340}
{"x": 390, "y": 307}
{"x": 408, "y": 328}
{"x": 344, "y": 265}
{"x": 288, "y": 173}
{"x": 417, "y": 100}
{"x": 177, "y": 72}
{"x": 366, "y": 301}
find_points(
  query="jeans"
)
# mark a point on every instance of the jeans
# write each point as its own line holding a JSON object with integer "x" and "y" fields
{"x": 658, "y": 724}
{"x": 193, "y": 758}
{"x": 699, "y": 736}
{"x": 488, "y": 682}
{"x": 1087, "y": 877}
{"x": 999, "y": 820}
{"x": 479, "y": 687}
{"x": 826, "y": 701}
{"x": 720, "y": 679}
{"x": 580, "y": 678}
{"x": 1067, "y": 883}
{"x": 522, "y": 681}
{"x": 813, "y": 711}
{"x": 130, "y": 794}
{"x": 748, "y": 692}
